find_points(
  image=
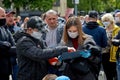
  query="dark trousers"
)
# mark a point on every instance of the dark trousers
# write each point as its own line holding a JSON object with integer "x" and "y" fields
{"x": 109, "y": 67}
{"x": 4, "y": 77}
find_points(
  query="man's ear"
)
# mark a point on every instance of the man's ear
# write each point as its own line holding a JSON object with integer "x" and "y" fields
{"x": 29, "y": 30}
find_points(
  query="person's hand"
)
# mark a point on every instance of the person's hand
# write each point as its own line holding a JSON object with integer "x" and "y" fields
{"x": 115, "y": 42}
{"x": 6, "y": 44}
{"x": 71, "y": 49}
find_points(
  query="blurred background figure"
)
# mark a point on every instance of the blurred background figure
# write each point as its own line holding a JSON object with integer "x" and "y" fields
{"x": 117, "y": 18}
{"x": 86, "y": 18}
{"x": 82, "y": 20}
{"x": 24, "y": 23}
{"x": 61, "y": 20}
{"x": 18, "y": 21}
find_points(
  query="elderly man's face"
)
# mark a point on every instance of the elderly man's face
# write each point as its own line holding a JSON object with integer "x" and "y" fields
{"x": 51, "y": 20}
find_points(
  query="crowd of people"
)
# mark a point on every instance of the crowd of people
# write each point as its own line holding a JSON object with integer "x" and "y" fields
{"x": 49, "y": 47}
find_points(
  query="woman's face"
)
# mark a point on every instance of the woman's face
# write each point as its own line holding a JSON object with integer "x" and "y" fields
{"x": 106, "y": 23}
{"x": 72, "y": 32}
{"x": 73, "y": 29}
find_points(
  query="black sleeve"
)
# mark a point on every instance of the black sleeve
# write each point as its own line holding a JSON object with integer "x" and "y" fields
{"x": 27, "y": 48}
{"x": 12, "y": 51}
{"x": 116, "y": 40}
{"x": 117, "y": 36}
{"x": 94, "y": 50}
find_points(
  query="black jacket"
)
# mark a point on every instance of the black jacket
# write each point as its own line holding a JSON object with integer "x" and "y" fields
{"x": 83, "y": 68}
{"x": 6, "y": 41}
{"x": 116, "y": 42}
{"x": 33, "y": 57}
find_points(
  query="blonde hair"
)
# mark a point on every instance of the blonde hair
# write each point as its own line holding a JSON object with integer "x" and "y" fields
{"x": 50, "y": 77}
{"x": 73, "y": 21}
{"x": 108, "y": 16}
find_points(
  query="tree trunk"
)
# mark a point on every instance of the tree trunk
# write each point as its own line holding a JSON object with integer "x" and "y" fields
{"x": 17, "y": 11}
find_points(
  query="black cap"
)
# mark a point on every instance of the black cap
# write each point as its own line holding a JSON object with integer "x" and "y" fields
{"x": 93, "y": 14}
{"x": 35, "y": 22}
{"x": 117, "y": 10}
{"x": 10, "y": 12}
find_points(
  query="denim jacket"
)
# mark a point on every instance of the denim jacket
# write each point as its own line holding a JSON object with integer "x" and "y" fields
{"x": 58, "y": 35}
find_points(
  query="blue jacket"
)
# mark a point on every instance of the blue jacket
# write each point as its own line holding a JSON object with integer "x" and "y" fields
{"x": 98, "y": 33}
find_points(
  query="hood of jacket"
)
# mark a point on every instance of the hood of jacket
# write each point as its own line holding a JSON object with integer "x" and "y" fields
{"x": 20, "y": 34}
{"x": 92, "y": 25}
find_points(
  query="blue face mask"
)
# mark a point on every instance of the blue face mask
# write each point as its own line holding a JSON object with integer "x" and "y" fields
{"x": 2, "y": 22}
{"x": 106, "y": 24}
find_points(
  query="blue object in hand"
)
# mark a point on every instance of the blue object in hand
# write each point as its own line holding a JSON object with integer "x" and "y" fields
{"x": 85, "y": 53}
{"x": 73, "y": 55}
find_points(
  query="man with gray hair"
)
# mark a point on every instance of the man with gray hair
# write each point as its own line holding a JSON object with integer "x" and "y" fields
{"x": 53, "y": 32}
{"x": 54, "y": 29}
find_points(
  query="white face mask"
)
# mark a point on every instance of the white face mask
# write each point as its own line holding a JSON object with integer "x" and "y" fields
{"x": 73, "y": 34}
{"x": 106, "y": 24}
{"x": 36, "y": 35}
{"x": 82, "y": 21}
{"x": 117, "y": 19}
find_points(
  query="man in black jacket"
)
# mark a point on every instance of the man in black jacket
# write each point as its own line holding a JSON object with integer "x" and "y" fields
{"x": 6, "y": 41}
{"x": 31, "y": 52}
{"x": 116, "y": 42}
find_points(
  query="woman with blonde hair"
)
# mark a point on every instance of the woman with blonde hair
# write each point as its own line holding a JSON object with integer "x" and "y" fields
{"x": 109, "y": 54}
{"x": 74, "y": 36}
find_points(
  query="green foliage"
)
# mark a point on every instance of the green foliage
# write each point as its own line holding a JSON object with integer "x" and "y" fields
{"x": 99, "y": 5}
{"x": 7, "y": 3}
{"x": 84, "y": 5}
{"x": 33, "y": 4}
{"x": 42, "y": 5}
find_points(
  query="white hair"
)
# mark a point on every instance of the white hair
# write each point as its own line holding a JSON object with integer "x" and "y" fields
{"x": 51, "y": 12}
{"x": 108, "y": 16}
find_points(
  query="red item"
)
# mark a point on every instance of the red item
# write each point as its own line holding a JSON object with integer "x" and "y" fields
{"x": 53, "y": 61}
{"x": 75, "y": 43}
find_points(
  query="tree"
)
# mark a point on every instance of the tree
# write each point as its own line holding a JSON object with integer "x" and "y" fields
{"x": 42, "y": 5}
{"x": 98, "y": 5}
